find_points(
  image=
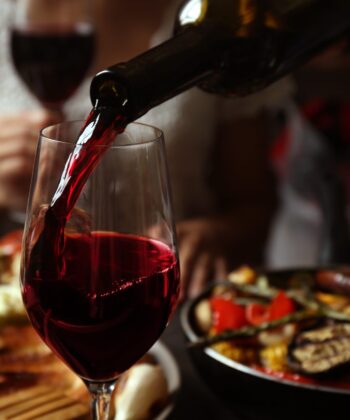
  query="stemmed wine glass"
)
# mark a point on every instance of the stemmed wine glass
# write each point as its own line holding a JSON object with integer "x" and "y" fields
{"x": 111, "y": 292}
{"x": 52, "y": 47}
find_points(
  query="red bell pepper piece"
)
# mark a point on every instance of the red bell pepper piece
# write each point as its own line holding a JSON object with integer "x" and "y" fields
{"x": 257, "y": 314}
{"x": 281, "y": 306}
{"x": 227, "y": 315}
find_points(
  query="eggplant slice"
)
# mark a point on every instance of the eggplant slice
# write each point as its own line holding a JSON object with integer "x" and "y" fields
{"x": 321, "y": 350}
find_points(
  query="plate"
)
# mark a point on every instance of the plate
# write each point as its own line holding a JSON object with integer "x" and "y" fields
{"x": 238, "y": 384}
{"x": 172, "y": 374}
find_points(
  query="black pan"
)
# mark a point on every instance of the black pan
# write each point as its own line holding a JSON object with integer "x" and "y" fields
{"x": 255, "y": 395}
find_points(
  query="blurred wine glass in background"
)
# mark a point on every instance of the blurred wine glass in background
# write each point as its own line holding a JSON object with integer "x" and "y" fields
{"x": 52, "y": 45}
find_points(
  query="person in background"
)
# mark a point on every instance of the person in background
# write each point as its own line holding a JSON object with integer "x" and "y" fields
{"x": 222, "y": 185}
{"x": 311, "y": 158}
{"x": 18, "y": 139}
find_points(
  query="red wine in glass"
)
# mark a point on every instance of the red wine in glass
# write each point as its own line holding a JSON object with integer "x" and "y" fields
{"x": 52, "y": 60}
{"x": 101, "y": 317}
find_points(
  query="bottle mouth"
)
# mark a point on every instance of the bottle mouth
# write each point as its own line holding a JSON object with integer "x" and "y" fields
{"x": 109, "y": 88}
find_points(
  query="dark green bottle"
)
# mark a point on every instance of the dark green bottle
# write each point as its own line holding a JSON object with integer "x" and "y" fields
{"x": 231, "y": 47}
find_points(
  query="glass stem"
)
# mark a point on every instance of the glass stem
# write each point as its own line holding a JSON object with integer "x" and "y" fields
{"x": 101, "y": 397}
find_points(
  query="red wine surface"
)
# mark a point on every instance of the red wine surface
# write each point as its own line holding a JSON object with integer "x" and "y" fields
{"x": 52, "y": 61}
{"x": 108, "y": 306}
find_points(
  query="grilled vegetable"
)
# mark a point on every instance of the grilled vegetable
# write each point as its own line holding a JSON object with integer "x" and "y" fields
{"x": 257, "y": 314}
{"x": 203, "y": 316}
{"x": 227, "y": 315}
{"x": 281, "y": 306}
{"x": 244, "y": 275}
{"x": 282, "y": 335}
{"x": 251, "y": 331}
{"x": 334, "y": 280}
{"x": 237, "y": 353}
{"x": 275, "y": 357}
{"x": 321, "y": 350}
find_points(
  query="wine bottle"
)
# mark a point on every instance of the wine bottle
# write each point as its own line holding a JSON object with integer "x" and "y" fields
{"x": 230, "y": 47}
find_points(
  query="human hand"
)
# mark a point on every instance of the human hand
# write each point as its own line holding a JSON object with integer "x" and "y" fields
{"x": 202, "y": 254}
{"x": 18, "y": 139}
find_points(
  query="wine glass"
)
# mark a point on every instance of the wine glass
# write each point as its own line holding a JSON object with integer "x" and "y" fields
{"x": 52, "y": 47}
{"x": 118, "y": 281}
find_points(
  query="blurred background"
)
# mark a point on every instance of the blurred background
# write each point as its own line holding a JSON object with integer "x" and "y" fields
{"x": 262, "y": 180}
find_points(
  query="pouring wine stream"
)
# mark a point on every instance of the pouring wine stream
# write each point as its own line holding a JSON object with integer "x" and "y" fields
{"x": 100, "y": 129}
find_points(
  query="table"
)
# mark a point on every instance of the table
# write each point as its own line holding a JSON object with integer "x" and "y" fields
{"x": 195, "y": 401}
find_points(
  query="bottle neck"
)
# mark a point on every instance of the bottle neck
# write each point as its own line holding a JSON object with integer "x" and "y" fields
{"x": 162, "y": 72}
